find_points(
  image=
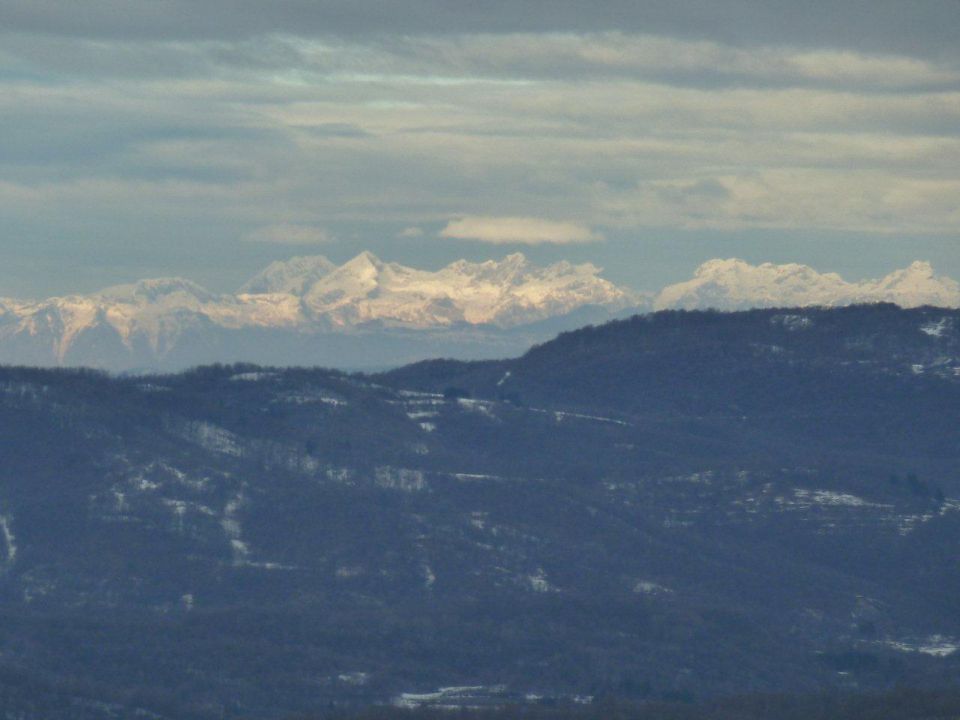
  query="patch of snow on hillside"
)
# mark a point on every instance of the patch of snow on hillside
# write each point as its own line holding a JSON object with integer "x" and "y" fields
{"x": 233, "y": 530}
{"x": 306, "y": 398}
{"x": 10, "y": 541}
{"x": 705, "y": 477}
{"x": 539, "y": 582}
{"x": 804, "y": 499}
{"x": 561, "y": 415}
{"x": 354, "y": 678}
{"x": 935, "y": 645}
{"x": 909, "y": 523}
{"x": 452, "y": 698}
{"x": 418, "y": 394}
{"x": 792, "y": 322}
{"x": 139, "y": 482}
{"x": 181, "y": 478}
{"x": 646, "y": 587}
{"x": 936, "y": 329}
{"x": 828, "y": 497}
{"x": 472, "y": 477}
{"x": 416, "y": 415}
{"x": 214, "y": 438}
{"x": 400, "y": 479}
{"x": 483, "y": 407}
{"x": 252, "y": 376}
{"x": 429, "y": 578}
{"x": 179, "y": 508}
{"x": 22, "y": 390}
{"x": 341, "y": 475}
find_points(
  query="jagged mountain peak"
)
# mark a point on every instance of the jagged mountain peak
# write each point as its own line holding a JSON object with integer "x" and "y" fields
{"x": 367, "y": 268}
{"x": 720, "y": 265}
{"x": 364, "y": 257}
{"x": 728, "y": 268}
{"x": 516, "y": 269}
{"x": 513, "y": 259}
{"x": 291, "y": 276}
{"x": 153, "y": 290}
{"x": 509, "y": 270}
{"x": 734, "y": 284}
{"x": 917, "y": 271}
{"x": 921, "y": 266}
{"x": 510, "y": 291}
{"x": 915, "y": 285}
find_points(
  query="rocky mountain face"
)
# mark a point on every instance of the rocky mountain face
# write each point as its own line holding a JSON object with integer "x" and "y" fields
{"x": 678, "y": 505}
{"x": 366, "y": 312}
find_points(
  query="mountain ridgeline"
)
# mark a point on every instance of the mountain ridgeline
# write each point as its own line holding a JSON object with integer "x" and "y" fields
{"x": 367, "y": 313}
{"x": 677, "y": 506}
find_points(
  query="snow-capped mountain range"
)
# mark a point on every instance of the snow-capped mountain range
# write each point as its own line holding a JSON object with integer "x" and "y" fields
{"x": 308, "y": 310}
{"x": 737, "y": 285}
{"x": 507, "y": 293}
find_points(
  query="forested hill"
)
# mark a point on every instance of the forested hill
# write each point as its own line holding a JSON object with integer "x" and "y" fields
{"x": 706, "y": 362}
{"x": 872, "y": 380}
{"x": 677, "y": 506}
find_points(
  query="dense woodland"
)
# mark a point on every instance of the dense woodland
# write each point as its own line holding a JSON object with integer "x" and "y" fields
{"x": 669, "y": 509}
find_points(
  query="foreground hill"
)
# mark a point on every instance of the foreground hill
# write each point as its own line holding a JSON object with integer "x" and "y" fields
{"x": 683, "y": 505}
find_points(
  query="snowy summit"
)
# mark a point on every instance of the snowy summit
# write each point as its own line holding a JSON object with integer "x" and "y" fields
{"x": 172, "y": 322}
{"x": 737, "y": 285}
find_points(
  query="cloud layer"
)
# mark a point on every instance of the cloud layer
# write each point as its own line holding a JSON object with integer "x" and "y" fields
{"x": 219, "y": 121}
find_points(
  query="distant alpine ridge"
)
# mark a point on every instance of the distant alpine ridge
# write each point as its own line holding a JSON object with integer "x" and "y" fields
{"x": 369, "y": 313}
{"x": 738, "y": 285}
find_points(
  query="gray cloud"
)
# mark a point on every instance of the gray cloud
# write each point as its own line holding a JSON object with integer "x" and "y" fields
{"x": 159, "y": 129}
{"x": 923, "y": 27}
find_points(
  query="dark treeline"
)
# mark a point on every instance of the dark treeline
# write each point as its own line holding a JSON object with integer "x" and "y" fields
{"x": 901, "y": 704}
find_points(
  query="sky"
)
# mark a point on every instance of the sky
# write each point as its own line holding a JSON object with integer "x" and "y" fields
{"x": 148, "y": 138}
